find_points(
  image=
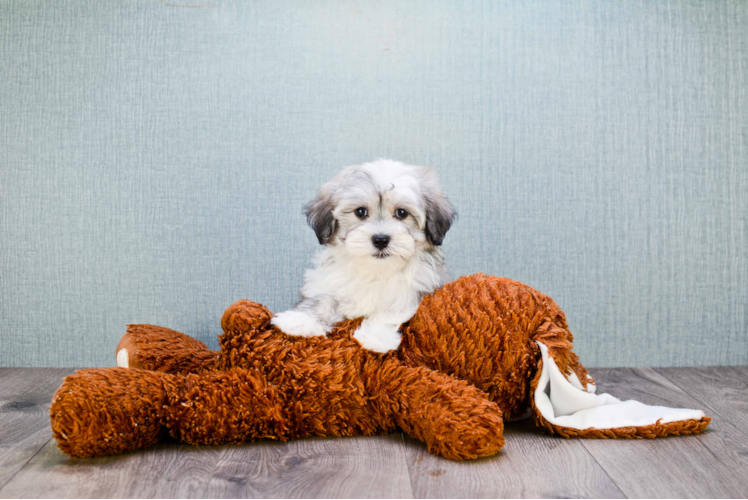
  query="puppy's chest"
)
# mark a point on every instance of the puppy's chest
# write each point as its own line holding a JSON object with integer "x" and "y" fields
{"x": 370, "y": 299}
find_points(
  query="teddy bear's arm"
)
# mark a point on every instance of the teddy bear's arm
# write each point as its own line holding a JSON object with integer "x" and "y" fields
{"x": 453, "y": 418}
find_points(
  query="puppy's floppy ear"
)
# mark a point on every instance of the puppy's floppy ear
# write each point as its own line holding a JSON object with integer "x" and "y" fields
{"x": 440, "y": 214}
{"x": 319, "y": 213}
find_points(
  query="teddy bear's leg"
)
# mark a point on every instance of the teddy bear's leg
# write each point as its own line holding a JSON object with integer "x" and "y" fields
{"x": 455, "y": 419}
{"x": 152, "y": 347}
{"x": 107, "y": 411}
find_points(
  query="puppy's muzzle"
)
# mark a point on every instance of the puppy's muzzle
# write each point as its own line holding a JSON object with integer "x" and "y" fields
{"x": 380, "y": 241}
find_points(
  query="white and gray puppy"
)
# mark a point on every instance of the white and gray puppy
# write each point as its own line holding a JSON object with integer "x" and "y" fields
{"x": 381, "y": 224}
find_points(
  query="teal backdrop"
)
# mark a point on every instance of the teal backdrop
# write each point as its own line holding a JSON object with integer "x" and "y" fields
{"x": 155, "y": 157}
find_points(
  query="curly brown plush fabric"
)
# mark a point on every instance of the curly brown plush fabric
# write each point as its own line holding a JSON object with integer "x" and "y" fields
{"x": 154, "y": 348}
{"x": 467, "y": 359}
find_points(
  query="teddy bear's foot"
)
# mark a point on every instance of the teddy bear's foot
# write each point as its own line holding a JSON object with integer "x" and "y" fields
{"x": 108, "y": 411}
{"x": 151, "y": 347}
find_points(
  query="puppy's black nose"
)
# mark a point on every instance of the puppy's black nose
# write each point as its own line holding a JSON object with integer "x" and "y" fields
{"x": 380, "y": 241}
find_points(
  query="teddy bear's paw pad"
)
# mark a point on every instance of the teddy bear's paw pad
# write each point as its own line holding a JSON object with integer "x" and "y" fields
{"x": 298, "y": 324}
{"x": 123, "y": 361}
{"x": 126, "y": 352}
{"x": 151, "y": 347}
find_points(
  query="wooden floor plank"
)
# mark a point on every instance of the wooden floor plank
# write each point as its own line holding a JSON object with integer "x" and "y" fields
{"x": 164, "y": 471}
{"x": 22, "y": 435}
{"x": 25, "y": 396}
{"x": 531, "y": 465}
{"x": 723, "y": 390}
{"x": 356, "y": 467}
{"x": 714, "y": 464}
{"x": 29, "y": 389}
{"x": 709, "y": 465}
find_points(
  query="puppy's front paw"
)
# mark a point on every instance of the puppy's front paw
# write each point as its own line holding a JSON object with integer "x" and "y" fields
{"x": 378, "y": 337}
{"x": 298, "y": 324}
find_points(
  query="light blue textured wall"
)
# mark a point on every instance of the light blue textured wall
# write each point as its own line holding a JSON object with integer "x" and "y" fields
{"x": 155, "y": 158}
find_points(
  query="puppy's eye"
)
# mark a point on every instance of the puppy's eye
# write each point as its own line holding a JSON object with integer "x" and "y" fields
{"x": 401, "y": 213}
{"x": 360, "y": 212}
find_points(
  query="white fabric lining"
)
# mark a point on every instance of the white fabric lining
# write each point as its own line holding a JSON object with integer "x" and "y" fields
{"x": 564, "y": 403}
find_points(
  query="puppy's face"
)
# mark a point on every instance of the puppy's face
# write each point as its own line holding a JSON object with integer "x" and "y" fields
{"x": 384, "y": 211}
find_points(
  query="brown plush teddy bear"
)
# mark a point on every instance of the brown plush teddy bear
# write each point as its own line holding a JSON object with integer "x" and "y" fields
{"x": 479, "y": 350}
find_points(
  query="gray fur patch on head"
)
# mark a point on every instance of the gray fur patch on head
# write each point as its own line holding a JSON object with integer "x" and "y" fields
{"x": 364, "y": 184}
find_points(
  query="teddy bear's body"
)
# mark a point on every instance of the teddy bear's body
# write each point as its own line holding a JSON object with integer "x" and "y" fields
{"x": 468, "y": 359}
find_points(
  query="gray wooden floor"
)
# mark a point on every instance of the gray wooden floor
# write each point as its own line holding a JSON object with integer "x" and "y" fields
{"x": 714, "y": 464}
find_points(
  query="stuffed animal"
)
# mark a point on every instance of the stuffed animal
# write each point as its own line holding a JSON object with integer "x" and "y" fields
{"x": 479, "y": 350}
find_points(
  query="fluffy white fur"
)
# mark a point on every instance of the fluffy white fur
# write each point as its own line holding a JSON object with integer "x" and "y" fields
{"x": 352, "y": 276}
